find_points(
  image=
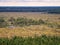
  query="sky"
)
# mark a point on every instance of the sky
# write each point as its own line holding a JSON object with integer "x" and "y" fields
{"x": 29, "y": 2}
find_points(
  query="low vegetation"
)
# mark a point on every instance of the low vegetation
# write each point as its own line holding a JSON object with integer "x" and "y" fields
{"x": 31, "y": 29}
{"x": 42, "y": 40}
{"x": 22, "y": 21}
{"x": 3, "y": 22}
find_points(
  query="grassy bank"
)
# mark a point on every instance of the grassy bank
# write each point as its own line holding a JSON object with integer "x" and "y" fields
{"x": 42, "y": 40}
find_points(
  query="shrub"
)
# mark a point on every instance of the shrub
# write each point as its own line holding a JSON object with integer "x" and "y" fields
{"x": 40, "y": 21}
{"x": 58, "y": 26}
{"x": 3, "y": 23}
{"x": 12, "y": 20}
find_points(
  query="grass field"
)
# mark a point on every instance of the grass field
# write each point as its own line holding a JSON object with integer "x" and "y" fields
{"x": 28, "y": 31}
{"x": 33, "y": 29}
{"x": 47, "y": 33}
{"x": 41, "y": 40}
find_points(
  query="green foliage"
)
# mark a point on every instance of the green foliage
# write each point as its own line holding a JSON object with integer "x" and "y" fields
{"x": 42, "y": 40}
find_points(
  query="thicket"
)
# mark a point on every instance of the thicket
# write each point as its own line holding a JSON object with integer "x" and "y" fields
{"x": 42, "y": 40}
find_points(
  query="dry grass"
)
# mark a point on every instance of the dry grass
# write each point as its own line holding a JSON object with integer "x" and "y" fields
{"x": 30, "y": 30}
{"x": 32, "y": 15}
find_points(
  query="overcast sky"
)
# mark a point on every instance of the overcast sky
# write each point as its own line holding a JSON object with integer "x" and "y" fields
{"x": 29, "y": 2}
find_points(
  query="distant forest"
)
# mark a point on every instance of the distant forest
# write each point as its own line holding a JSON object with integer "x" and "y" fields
{"x": 46, "y": 9}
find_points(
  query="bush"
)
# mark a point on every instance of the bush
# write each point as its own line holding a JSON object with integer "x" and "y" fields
{"x": 40, "y": 21}
{"x": 3, "y": 23}
{"x": 21, "y": 21}
{"x": 58, "y": 26}
{"x": 12, "y": 20}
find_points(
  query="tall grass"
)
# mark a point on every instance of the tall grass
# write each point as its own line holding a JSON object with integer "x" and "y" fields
{"x": 42, "y": 40}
